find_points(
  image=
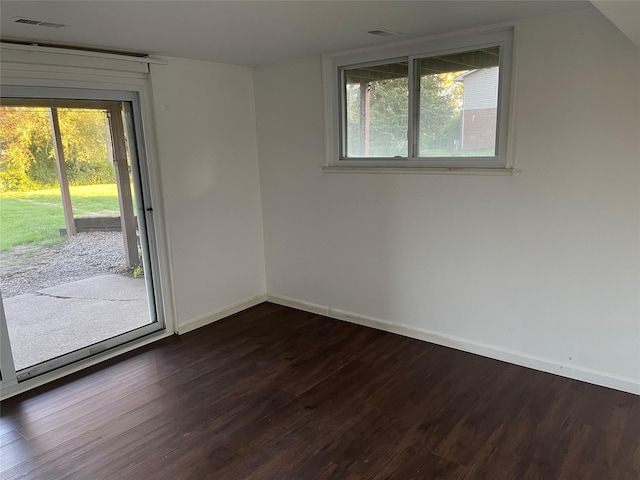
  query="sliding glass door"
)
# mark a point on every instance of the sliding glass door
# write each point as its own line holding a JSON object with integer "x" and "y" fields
{"x": 77, "y": 249}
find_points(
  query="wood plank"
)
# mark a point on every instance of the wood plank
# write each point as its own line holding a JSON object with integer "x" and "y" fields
{"x": 273, "y": 392}
{"x": 123, "y": 181}
{"x": 61, "y": 168}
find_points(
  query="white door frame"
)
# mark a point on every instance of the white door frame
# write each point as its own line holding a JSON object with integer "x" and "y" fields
{"x": 135, "y": 96}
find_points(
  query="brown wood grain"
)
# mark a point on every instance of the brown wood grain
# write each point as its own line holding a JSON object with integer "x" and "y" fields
{"x": 275, "y": 393}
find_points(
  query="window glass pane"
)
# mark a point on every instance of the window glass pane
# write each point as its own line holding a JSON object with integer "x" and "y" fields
{"x": 377, "y": 103}
{"x": 458, "y": 104}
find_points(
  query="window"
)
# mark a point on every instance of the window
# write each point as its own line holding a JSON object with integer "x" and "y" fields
{"x": 439, "y": 103}
{"x": 377, "y": 110}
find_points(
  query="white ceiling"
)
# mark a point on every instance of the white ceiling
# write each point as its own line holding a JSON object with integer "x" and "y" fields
{"x": 624, "y": 15}
{"x": 253, "y": 32}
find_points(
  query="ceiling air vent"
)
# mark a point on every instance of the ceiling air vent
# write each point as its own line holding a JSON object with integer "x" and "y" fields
{"x": 50, "y": 25}
{"x": 37, "y": 23}
{"x": 27, "y": 21}
{"x": 381, "y": 32}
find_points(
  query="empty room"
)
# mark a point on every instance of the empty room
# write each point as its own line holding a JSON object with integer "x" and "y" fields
{"x": 320, "y": 240}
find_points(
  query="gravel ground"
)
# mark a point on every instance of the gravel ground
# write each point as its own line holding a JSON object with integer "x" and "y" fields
{"x": 82, "y": 256}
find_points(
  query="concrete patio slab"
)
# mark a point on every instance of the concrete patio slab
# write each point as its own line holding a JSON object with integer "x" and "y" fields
{"x": 58, "y": 320}
{"x": 103, "y": 287}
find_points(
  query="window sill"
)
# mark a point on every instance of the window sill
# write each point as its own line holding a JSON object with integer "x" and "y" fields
{"x": 421, "y": 170}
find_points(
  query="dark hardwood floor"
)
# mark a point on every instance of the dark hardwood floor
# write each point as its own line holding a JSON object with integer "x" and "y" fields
{"x": 275, "y": 393}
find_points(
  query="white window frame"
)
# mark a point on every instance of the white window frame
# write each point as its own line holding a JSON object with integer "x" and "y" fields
{"x": 412, "y": 51}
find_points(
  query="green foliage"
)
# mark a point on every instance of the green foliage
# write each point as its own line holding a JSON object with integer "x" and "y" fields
{"x": 24, "y": 135}
{"x": 440, "y": 110}
{"x": 389, "y": 114}
{"x": 27, "y": 156}
{"x": 138, "y": 270}
{"x": 389, "y": 106}
{"x": 439, "y": 124}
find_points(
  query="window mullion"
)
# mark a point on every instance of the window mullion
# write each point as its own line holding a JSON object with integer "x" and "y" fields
{"x": 412, "y": 139}
{"x": 343, "y": 114}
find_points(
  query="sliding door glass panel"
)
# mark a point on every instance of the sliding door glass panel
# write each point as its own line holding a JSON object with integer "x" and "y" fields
{"x": 74, "y": 243}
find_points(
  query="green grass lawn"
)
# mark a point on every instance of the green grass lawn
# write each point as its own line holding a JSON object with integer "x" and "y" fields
{"x": 36, "y": 217}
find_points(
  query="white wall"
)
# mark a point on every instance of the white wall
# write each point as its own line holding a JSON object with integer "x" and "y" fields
{"x": 206, "y": 134}
{"x": 541, "y": 268}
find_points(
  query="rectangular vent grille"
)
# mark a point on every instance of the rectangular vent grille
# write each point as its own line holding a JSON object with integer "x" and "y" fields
{"x": 37, "y": 23}
{"x": 27, "y": 21}
{"x": 50, "y": 25}
{"x": 379, "y": 32}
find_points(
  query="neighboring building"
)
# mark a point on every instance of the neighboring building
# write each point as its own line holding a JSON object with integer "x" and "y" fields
{"x": 480, "y": 106}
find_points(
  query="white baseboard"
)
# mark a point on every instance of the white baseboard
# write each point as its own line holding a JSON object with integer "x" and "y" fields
{"x": 220, "y": 314}
{"x": 548, "y": 365}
